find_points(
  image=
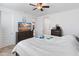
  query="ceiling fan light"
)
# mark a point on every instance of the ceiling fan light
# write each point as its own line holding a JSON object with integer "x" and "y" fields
{"x": 39, "y": 7}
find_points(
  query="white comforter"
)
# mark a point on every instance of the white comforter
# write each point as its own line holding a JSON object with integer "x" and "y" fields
{"x": 56, "y": 46}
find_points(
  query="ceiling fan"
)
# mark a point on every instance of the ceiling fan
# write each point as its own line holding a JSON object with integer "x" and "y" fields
{"x": 39, "y": 6}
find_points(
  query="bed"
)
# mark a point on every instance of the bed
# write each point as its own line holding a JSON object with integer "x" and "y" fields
{"x": 48, "y": 46}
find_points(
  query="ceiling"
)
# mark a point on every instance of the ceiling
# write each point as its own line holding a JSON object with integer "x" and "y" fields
{"x": 54, "y": 8}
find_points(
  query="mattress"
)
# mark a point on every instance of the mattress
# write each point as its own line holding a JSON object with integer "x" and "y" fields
{"x": 48, "y": 46}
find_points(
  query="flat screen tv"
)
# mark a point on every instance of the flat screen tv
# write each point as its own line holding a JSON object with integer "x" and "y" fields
{"x": 23, "y": 26}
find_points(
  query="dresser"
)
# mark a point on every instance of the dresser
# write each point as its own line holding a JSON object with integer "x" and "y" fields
{"x": 25, "y": 31}
{"x": 23, "y": 35}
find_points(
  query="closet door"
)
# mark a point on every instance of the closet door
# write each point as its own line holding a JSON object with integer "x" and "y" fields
{"x": 8, "y": 27}
{"x": 0, "y": 32}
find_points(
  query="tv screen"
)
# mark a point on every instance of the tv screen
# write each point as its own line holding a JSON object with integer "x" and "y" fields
{"x": 24, "y": 27}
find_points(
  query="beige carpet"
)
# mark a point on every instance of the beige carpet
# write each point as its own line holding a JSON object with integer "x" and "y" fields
{"x": 6, "y": 51}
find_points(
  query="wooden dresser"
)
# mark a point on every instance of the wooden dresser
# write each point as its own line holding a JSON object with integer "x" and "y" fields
{"x": 23, "y": 35}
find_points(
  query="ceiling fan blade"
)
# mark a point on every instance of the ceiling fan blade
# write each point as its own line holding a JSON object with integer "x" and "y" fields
{"x": 45, "y": 6}
{"x": 41, "y": 9}
{"x": 40, "y": 3}
{"x": 34, "y": 8}
{"x": 32, "y": 4}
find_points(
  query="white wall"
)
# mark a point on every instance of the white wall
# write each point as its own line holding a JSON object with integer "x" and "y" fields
{"x": 68, "y": 20}
{"x": 9, "y": 19}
